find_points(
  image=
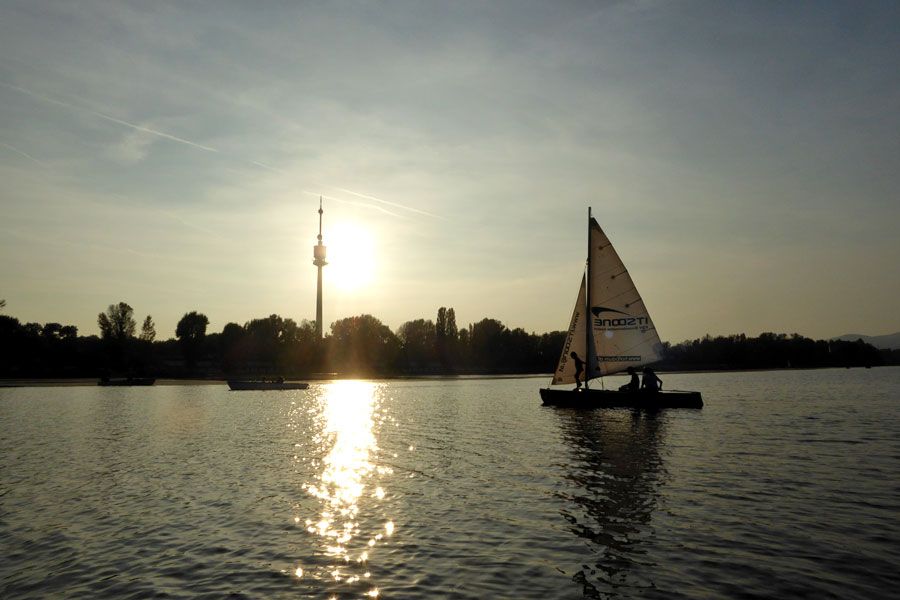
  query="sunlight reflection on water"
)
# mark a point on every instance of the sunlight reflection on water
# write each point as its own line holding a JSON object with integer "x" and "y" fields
{"x": 347, "y": 438}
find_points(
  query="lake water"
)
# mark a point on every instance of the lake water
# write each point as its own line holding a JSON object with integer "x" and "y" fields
{"x": 786, "y": 484}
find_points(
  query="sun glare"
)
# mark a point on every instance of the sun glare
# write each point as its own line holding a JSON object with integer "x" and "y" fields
{"x": 351, "y": 256}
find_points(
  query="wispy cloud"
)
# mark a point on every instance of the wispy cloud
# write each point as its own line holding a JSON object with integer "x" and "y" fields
{"x": 74, "y": 243}
{"x": 188, "y": 224}
{"x": 133, "y": 148}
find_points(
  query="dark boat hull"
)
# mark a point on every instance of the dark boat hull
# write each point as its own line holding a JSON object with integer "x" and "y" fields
{"x": 128, "y": 381}
{"x": 617, "y": 399}
{"x": 238, "y": 386}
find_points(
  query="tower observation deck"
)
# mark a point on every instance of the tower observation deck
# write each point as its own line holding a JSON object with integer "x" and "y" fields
{"x": 319, "y": 253}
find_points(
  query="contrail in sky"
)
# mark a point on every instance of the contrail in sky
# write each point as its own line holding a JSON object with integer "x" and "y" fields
{"x": 100, "y": 115}
{"x": 189, "y": 225}
{"x": 357, "y": 194}
{"x": 394, "y": 204}
{"x": 267, "y": 167}
{"x": 25, "y": 154}
{"x": 344, "y": 201}
{"x": 153, "y": 131}
{"x": 356, "y": 203}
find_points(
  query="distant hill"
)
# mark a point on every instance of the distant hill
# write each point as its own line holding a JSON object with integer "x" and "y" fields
{"x": 886, "y": 342}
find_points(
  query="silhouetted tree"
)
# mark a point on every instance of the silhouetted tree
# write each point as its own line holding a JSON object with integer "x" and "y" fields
{"x": 304, "y": 352}
{"x": 266, "y": 338}
{"x": 548, "y": 350}
{"x": 521, "y": 351}
{"x": 190, "y": 331}
{"x": 148, "y": 330}
{"x": 117, "y": 327}
{"x": 464, "y": 348}
{"x": 419, "y": 350}
{"x": 117, "y": 323}
{"x": 12, "y": 353}
{"x": 447, "y": 338}
{"x": 269, "y": 345}
{"x": 487, "y": 343}
{"x": 451, "y": 329}
{"x": 51, "y": 331}
{"x": 440, "y": 325}
{"x": 363, "y": 345}
{"x": 232, "y": 350}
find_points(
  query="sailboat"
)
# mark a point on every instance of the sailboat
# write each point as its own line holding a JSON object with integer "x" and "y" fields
{"x": 610, "y": 331}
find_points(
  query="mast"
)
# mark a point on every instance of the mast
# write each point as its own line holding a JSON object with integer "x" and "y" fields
{"x": 588, "y": 349}
{"x": 319, "y": 252}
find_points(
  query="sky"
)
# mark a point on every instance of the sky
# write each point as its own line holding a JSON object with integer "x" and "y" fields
{"x": 744, "y": 158}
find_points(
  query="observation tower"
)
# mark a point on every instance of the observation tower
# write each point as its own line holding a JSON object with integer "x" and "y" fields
{"x": 319, "y": 261}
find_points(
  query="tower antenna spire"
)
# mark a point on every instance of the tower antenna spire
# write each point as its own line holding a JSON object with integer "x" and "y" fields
{"x": 320, "y": 219}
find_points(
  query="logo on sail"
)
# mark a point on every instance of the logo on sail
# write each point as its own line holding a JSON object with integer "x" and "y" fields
{"x": 616, "y": 323}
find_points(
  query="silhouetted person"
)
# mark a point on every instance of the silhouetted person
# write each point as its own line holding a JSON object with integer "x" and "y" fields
{"x": 633, "y": 385}
{"x": 579, "y": 369}
{"x": 650, "y": 382}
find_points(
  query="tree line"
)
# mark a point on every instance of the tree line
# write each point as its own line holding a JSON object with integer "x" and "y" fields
{"x": 355, "y": 346}
{"x": 772, "y": 351}
{"x": 361, "y": 346}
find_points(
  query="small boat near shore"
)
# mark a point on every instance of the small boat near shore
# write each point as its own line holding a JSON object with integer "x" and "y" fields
{"x": 121, "y": 381}
{"x": 610, "y": 332}
{"x": 238, "y": 385}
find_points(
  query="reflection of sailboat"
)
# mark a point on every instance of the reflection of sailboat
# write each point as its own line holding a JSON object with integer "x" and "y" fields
{"x": 611, "y": 329}
{"x": 615, "y": 469}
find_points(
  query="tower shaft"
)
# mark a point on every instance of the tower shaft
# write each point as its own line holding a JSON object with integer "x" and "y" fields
{"x": 319, "y": 305}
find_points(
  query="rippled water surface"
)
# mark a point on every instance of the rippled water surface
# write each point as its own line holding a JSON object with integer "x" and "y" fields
{"x": 787, "y": 484}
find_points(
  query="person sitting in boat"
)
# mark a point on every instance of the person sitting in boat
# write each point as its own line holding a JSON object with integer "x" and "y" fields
{"x": 633, "y": 385}
{"x": 579, "y": 369}
{"x": 650, "y": 382}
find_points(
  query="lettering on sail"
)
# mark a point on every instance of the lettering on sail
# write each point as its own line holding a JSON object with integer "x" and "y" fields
{"x": 565, "y": 354}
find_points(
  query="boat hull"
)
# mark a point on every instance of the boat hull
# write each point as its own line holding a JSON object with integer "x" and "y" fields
{"x": 128, "y": 381}
{"x": 239, "y": 386}
{"x": 591, "y": 398}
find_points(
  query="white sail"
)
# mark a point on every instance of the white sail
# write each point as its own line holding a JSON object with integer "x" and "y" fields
{"x": 623, "y": 333}
{"x": 620, "y": 333}
{"x": 575, "y": 342}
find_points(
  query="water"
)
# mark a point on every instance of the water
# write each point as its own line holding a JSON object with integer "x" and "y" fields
{"x": 787, "y": 484}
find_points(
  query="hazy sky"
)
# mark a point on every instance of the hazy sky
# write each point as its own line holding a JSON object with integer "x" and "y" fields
{"x": 744, "y": 158}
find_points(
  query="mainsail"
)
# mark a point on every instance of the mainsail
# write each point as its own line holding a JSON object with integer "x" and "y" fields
{"x": 619, "y": 331}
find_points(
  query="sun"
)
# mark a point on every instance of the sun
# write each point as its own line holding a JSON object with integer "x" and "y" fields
{"x": 351, "y": 256}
